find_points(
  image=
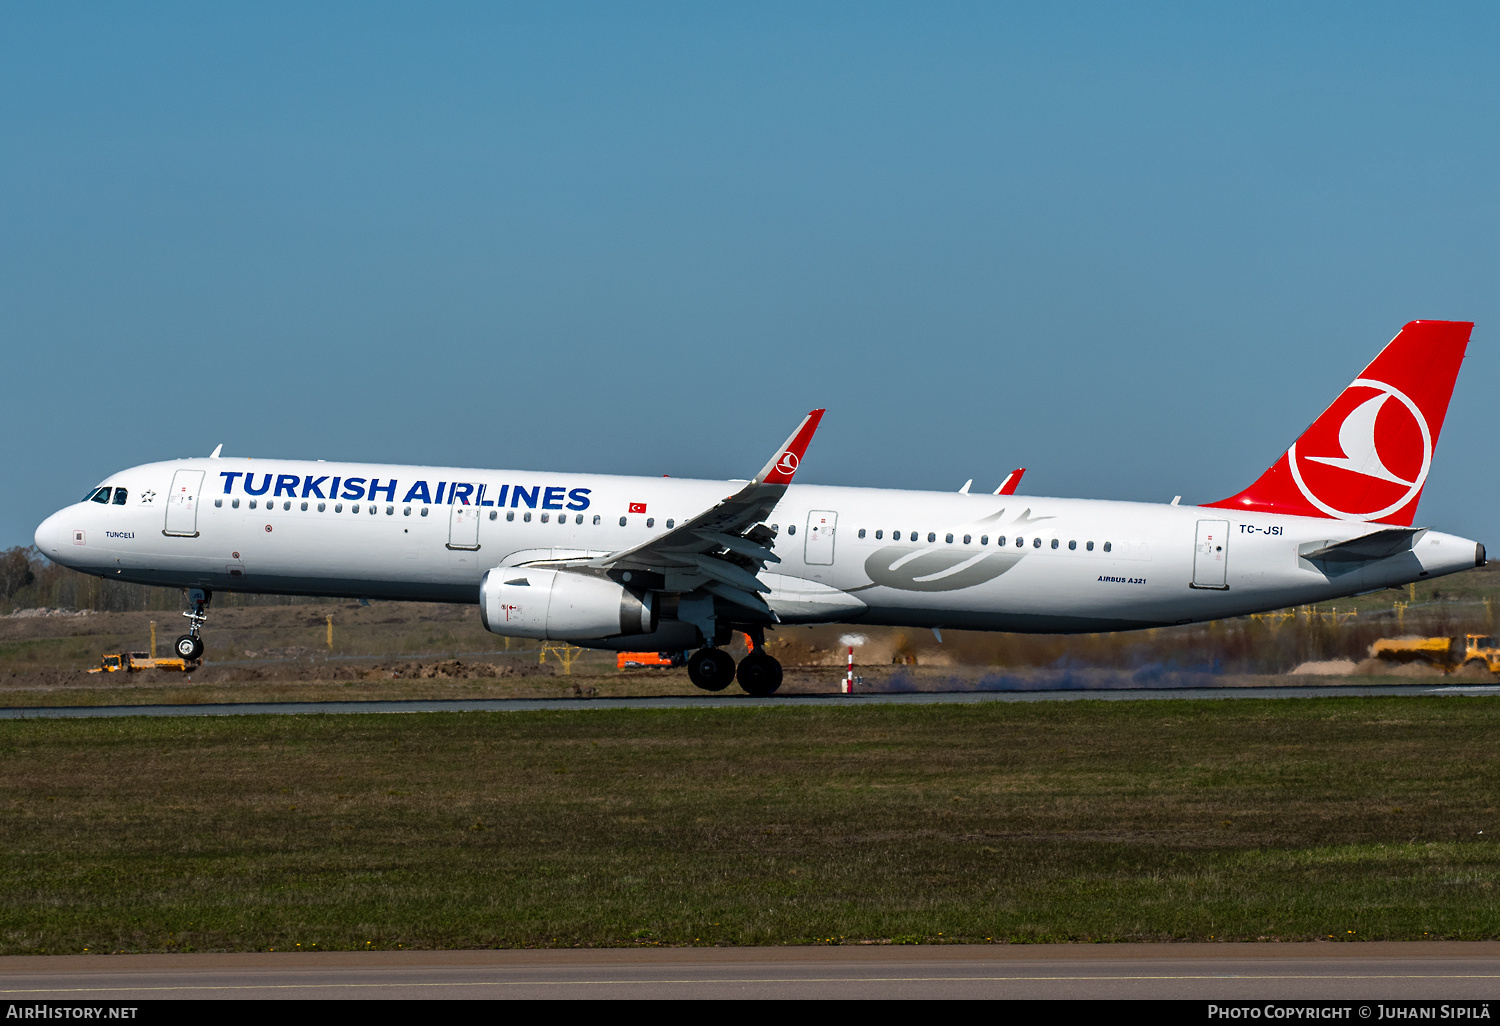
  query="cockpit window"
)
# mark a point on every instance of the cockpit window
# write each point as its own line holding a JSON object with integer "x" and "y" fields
{"x": 101, "y": 495}
{"x": 120, "y": 496}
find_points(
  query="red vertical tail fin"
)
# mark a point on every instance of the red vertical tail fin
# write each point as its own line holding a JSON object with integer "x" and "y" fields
{"x": 1011, "y": 482}
{"x": 1367, "y": 457}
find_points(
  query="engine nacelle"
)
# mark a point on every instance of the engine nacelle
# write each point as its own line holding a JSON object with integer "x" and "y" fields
{"x": 522, "y": 602}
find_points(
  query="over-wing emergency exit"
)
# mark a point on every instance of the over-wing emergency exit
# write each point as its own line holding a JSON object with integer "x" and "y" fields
{"x": 668, "y": 564}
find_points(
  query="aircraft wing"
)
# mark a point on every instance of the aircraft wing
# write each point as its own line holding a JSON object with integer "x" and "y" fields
{"x": 723, "y": 548}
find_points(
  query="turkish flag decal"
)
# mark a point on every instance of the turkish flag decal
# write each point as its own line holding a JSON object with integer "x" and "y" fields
{"x": 637, "y": 507}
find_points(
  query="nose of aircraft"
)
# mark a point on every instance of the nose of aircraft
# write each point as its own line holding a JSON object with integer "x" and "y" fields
{"x": 47, "y": 536}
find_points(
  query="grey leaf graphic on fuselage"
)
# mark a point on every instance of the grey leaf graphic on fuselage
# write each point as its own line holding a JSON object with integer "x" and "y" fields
{"x": 896, "y": 566}
{"x": 1027, "y": 518}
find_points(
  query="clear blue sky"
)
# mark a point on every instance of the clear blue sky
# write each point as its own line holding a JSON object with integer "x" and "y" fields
{"x": 1135, "y": 248}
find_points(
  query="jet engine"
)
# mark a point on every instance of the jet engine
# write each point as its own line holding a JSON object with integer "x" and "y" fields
{"x": 523, "y": 602}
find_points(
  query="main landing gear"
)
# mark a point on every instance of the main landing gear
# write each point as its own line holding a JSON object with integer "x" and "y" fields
{"x": 713, "y": 668}
{"x": 190, "y": 645}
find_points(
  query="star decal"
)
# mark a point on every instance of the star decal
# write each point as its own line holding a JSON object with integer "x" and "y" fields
{"x": 146, "y": 497}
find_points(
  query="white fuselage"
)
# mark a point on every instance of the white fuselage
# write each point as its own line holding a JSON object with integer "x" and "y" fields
{"x": 856, "y": 555}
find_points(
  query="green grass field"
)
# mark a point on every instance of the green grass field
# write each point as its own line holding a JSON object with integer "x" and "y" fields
{"x": 1084, "y": 821}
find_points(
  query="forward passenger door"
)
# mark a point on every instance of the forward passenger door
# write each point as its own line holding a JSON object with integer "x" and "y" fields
{"x": 182, "y": 504}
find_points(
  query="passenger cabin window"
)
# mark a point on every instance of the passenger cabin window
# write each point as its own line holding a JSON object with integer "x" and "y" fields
{"x": 861, "y": 532}
{"x": 948, "y": 539}
{"x": 1107, "y": 546}
{"x": 304, "y": 507}
{"x": 493, "y": 514}
{"x": 1054, "y": 543}
{"x": 545, "y": 517}
{"x": 218, "y": 502}
{"x": 932, "y": 536}
{"x": 338, "y": 507}
{"x": 235, "y": 503}
{"x": 1089, "y": 546}
{"x": 287, "y": 505}
{"x": 1072, "y": 545}
{"x": 252, "y": 505}
{"x": 352, "y": 509}
{"x": 968, "y": 539}
{"x": 322, "y": 507}
{"x": 1036, "y": 543}
{"x": 669, "y": 524}
{"x": 984, "y": 539}
{"x": 526, "y": 517}
{"x": 1020, "y": 541}
{"x": 1000, "y": 541}
{"x": 120, "y": 495}
{"x": 596, "y": 520}
{"x": 791, "y": 528}
{"x": 510, "y": 515}
{"x": 406, "y": 511}
{"x": 650, "y": 521}
{"x": 622, "y": 521}
{"x": 878, "y": 535}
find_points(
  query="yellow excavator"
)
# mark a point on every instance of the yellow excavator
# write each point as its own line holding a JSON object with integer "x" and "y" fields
{"x": 133, "y": 662}
{"x": 1446, "y": 653}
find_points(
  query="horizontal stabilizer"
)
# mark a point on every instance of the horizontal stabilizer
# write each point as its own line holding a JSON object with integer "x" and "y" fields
{"x": 1366, "y": 548}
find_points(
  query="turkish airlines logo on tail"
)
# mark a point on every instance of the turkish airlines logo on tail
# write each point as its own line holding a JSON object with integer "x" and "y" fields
{"x": 1375, "y": 464}
{"x": 788, "y": 463}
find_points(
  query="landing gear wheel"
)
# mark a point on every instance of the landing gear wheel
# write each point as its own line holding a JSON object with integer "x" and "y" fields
{"x": 189, "y": 647}
{"x": 759, "y": 674}
{"x": 711, "y": 669}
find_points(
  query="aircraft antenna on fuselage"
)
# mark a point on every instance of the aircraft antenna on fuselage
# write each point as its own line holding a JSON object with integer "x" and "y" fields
{"x": 217, "y": 449}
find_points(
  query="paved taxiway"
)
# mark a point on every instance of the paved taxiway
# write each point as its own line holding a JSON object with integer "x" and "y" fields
{"x": 731, "y": 701}
{"x": 1354, "y": 971}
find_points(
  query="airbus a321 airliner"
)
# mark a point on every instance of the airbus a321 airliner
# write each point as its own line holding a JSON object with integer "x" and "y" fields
{"x": 630, "y": 563}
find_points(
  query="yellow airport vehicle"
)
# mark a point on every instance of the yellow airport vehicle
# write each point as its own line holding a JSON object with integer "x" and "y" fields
{"x": 1446, "y": 653}
{"x": 133, "y": 662}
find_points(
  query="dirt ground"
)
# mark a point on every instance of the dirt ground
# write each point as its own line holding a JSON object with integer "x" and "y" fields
{"x": 518, "y": 677}
{"x": 397, "y": 650}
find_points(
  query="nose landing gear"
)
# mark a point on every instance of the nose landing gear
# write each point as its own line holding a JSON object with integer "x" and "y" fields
{"x": 190, "y": 645}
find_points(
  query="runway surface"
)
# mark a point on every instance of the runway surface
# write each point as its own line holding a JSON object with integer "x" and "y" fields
{"x": 734, "y": 701}
{"x": 1256, "y": 972}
